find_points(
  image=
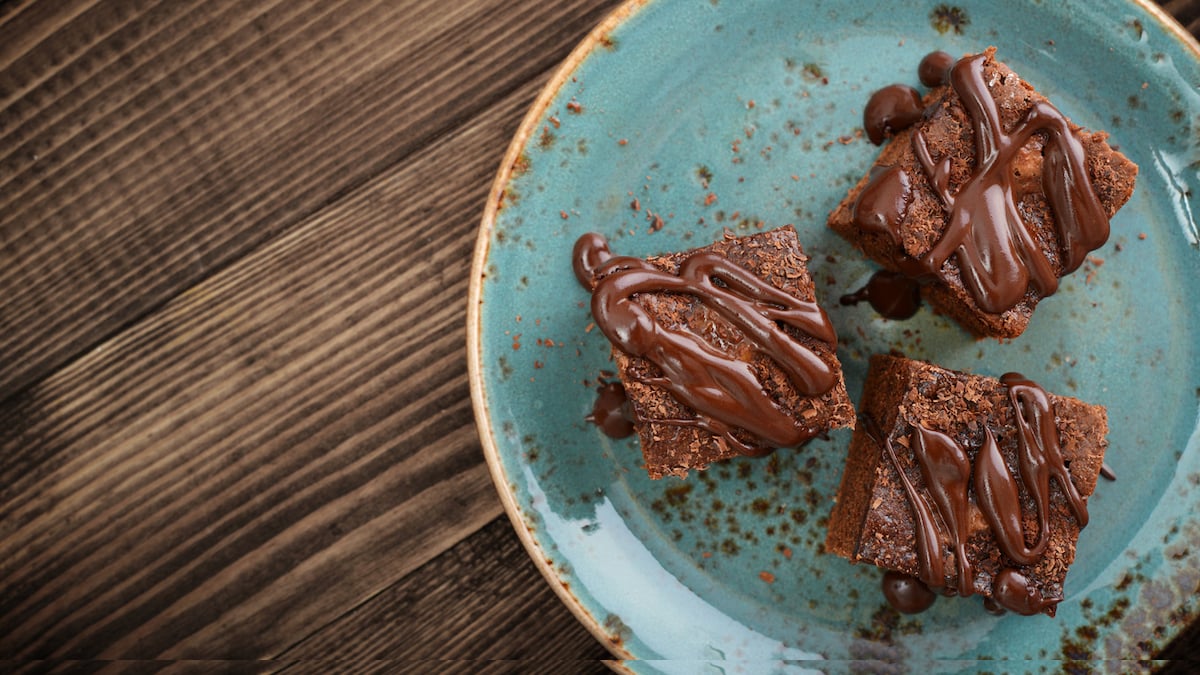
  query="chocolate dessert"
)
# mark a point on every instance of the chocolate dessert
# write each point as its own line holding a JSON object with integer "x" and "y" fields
{"x": 986, "y": 193}
{"x": 967, "y": 485}
{"x": 723, "y": 351}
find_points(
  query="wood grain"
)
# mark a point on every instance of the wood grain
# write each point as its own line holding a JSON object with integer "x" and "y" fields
{"x": 1186, "y": 12}
{"x": 301, "y": 411}
{"x": 547, "y": 665}
{"x": 143, "y": 145}
{"x": 493, "y": 588}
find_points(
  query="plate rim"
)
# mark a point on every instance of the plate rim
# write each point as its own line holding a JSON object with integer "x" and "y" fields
{"x": 479, "y": 402}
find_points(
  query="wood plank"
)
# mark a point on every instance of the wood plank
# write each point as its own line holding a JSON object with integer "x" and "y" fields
{"x": 482, "y": 600}
{"x": 269, "y": 450}
{"x": 1186, "y": 12}
{"x": 149, "y": 145}
{"x": 140, "y": 667}
{"x": 545, "y": 666}
{"x": 1182, "y": 653}
{"x": 24, "y": 23}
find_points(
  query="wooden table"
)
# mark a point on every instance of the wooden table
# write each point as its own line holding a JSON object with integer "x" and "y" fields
{"x": 234, "y": 414}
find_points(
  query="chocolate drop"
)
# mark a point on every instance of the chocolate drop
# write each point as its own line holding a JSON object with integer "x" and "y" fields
{"x": 892, "y": 294}
{"x": 907, "y": 594}
{"x": 934, "y": 69}
{"x": 1011, "y": 590}
{"x": 993, "y": 608}
{"x": 611, "y": 411}
{"x": 891, "y": 109}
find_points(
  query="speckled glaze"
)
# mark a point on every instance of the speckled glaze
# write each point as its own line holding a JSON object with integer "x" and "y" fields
{"x": 699, "y": 115}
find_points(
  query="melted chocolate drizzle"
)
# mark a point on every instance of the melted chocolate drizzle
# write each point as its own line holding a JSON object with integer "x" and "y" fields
{"x": 946, "y": 470}
{"x": 930, "y": 567}
{"x": 998, "y": 257}
{"x": 1040, "y": 458}
{"x": 882, "y": 204}
{"x": 720, "y": 387}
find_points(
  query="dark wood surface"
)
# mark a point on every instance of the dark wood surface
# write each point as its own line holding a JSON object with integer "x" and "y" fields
{"x": 234, "y": 414}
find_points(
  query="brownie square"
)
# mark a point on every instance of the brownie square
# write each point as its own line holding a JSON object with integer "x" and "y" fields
{"x": 984, "y": 199}
{"x": 937, "y": 423}
{"x": 675, "y": 437}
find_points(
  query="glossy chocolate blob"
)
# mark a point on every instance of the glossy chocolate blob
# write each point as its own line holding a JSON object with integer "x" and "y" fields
{"x": 892, "y": 294}
{"x": 611, "y": 411}
{"x": 907, "y": 594}
{"x": 889, "y": 110}
{"x": 934, "y": 69}
{"x": 1011, "y": 590}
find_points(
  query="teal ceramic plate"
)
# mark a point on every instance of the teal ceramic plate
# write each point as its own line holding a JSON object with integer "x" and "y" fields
{"x": 700, "y": 115}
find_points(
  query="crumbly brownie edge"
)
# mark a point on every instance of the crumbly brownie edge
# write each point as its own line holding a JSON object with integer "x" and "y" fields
{"x": 857, "y": 487}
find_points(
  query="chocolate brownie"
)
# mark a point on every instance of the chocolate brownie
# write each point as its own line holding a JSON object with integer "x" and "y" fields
{"x": 723, "y": 350}
{"x": 968, "y": 484}
{"x": 986, "y": 192}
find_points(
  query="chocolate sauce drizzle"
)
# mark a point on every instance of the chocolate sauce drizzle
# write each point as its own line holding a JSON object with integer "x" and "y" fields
{"x": 940, "y": 456}
{"x": 720, "y": 387}
{"x": 946, "y": 470}
{"x": 997, "y": 255}
{"x": 1039, "y": 459}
